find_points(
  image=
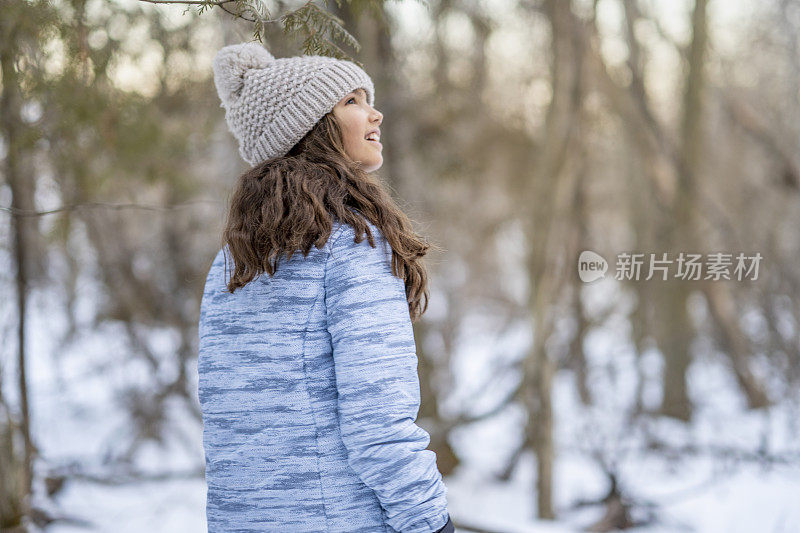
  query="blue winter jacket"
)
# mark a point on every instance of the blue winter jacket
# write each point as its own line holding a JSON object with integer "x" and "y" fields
{"x": 309, "y": 392}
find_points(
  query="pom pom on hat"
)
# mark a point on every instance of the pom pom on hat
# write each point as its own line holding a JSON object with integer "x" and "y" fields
{"x": 231, "y": 64}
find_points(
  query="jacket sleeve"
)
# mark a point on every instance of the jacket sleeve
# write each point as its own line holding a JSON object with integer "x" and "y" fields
{"x": 375, "y": 363}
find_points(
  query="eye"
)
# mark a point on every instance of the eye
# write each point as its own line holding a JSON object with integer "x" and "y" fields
{"x": 352, "y": 99}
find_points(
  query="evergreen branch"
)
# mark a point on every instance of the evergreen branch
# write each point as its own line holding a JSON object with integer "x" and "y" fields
{"x": 243, "y": 6}
{"x": 321, "y": 28}
{"x": 200, "y": 2}
{"x": 337, "y": 30}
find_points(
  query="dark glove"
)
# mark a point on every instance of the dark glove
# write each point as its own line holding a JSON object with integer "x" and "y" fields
{"x": 448, "y": 527}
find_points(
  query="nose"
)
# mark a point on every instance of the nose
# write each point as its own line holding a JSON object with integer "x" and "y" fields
{"x": 377, "y": 115}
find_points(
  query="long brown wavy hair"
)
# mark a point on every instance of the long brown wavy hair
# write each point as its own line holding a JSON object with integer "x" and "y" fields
{"x": 287, "y": 204}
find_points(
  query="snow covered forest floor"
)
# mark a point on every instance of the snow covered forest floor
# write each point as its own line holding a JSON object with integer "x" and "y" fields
{"x": 728, "y": 471}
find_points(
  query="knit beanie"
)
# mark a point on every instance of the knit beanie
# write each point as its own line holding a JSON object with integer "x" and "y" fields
{"x": 270, "y": 104}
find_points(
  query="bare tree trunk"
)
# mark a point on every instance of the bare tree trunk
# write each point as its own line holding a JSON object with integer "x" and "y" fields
{"x": 724, "y": 312}
{"x": 16, "y": 502}
{"x": 673, "y": 325}
{"x": 576, "y": 358}
{"x": 674, "y": 334}
{"x": 552, "y": 192}
{"x": 446, "y": 458}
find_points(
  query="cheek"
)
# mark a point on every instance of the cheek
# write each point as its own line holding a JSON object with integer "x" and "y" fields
{"x": 352, "y": 135}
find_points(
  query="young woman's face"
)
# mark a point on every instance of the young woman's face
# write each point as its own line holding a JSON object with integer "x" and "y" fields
{"x": 357, "y": 119}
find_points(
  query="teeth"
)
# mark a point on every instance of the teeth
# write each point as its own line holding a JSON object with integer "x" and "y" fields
{"x": 373, "y": 137}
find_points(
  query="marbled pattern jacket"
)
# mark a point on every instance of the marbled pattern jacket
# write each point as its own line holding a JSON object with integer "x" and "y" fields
{"x": 309, "y": 392}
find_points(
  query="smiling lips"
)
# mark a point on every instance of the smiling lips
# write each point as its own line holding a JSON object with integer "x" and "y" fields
{"x": 374, "y": 137}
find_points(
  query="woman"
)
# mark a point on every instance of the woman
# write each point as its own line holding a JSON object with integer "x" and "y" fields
{"x": 307, "y": 367}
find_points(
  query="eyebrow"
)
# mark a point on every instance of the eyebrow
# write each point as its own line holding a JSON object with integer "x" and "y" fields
{"x": 359, "y": 90}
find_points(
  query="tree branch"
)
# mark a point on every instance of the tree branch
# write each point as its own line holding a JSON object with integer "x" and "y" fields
{"x": 15, "y": 212}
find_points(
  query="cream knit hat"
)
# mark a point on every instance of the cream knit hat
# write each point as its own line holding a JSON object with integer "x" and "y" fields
{"x": 270, "y": 104}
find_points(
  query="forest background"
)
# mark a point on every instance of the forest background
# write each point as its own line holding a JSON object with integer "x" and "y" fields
{"x": 517, "y": 134}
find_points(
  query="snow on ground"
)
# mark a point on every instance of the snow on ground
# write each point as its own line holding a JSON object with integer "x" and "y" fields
{"x": 75, "y": 417}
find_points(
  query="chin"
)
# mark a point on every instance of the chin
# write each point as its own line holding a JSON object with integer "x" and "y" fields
{"x": 372, "y": 166}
